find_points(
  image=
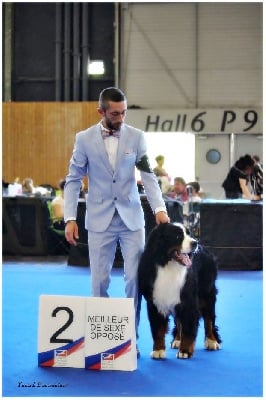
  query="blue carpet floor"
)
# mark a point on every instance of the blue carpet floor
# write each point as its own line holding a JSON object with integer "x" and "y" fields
{"x": 235, "y": 370}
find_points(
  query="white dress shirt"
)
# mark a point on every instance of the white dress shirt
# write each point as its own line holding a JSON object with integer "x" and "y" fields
{"x": 111, "y": 146}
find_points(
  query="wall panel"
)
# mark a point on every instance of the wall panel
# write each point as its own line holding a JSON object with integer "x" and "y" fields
{"x": 38, "y": 138}
{"x": 192, "y": 55}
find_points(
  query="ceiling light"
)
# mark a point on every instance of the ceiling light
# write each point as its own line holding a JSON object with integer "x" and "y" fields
{"x": 96, "y": 67}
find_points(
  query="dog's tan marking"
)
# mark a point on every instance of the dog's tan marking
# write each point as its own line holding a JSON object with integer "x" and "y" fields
{"x": 186, "y": 348}
{"x": 159, "y": 344}
{"x": 211, "y": 344}
{"x": 210, "y": 340}
{"x": 159, "y": 341}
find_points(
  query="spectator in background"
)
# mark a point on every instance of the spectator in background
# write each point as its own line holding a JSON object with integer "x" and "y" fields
{"x": 82, "y": 193}
{"x": 236, "y": 182}
{"x": 58, "y": 204}
{"x": 28, "y": 187}
{"x": 162, "y": 176}
{"x": 179, "y": 190}
{"x": 257, "y": 178}
{"x": 195, "y": 189}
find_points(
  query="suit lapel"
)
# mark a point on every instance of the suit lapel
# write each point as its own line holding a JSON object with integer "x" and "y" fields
{"x": 121, "y": 146}
{"x": 99, "y": 143}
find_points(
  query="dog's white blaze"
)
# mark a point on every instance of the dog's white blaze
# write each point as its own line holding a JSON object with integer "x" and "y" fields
{"x": 167, "y": 286}
{"x": 186, "y": 244}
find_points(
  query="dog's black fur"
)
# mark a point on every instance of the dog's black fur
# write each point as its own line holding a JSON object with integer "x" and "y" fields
{"x": 197, "y": 292}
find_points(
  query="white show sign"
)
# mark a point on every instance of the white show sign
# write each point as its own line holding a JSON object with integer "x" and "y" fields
{"x": 227, "y": 120}
{"x": 87, "y": 332}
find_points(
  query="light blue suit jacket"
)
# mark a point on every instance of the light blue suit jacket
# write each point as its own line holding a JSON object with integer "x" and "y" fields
{"x": 108, "y": 189}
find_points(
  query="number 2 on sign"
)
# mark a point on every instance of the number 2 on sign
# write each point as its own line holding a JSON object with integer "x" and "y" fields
{"x": 54, "y": 338}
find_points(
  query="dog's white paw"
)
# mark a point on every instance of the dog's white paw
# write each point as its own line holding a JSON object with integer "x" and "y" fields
{"x": 175, "y": 344}
{"x": 158, "y": 354}
{"x": 182, "y": 355}
{"x": 211, "y": 344}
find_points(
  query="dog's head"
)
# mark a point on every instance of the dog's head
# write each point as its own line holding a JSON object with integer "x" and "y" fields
{"x": 168, "y": 241}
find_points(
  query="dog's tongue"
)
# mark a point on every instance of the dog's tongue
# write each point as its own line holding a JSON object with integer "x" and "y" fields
{"x": 184, "y": 259}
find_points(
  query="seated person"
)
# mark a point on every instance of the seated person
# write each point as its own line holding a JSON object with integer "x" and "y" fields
{"x": 257, "y": 178}
{"x": 28, "y": 187}
{"x": 179, "y": 190}
{"x": 195, "y": 189}
{"x": 236, "y": 182}
{"x": 57, "y": 207}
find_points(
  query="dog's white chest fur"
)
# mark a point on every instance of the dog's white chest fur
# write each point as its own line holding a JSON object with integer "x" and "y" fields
{"x": 168, "y": 285}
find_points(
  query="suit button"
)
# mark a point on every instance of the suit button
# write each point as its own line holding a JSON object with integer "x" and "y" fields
{"x": 114, "y": 181}
{"x": 115, "y": 198}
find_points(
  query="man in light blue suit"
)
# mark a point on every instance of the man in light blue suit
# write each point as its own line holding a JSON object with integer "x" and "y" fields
{"x": 108, "y": 154}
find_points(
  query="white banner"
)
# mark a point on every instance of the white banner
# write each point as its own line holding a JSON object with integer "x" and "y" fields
{"x": 227, "y": 120}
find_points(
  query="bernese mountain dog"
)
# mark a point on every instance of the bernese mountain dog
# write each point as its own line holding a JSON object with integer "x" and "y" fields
{"x": 177, "y": 277}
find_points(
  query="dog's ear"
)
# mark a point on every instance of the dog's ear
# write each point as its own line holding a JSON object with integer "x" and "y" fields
{"x": 156, "y": 244}
{"x": 157, "y": 236}
{"x": 162, "y": 231}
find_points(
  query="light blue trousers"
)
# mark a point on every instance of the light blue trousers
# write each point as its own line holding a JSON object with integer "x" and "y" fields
{"x": 102, "y": 248}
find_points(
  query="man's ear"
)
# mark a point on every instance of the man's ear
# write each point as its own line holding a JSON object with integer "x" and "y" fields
{"x": 100, "y": 111}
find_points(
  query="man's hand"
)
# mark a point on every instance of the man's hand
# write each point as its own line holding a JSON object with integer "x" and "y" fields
{"x": 161, "y": 218}
{"x": 71, "y": 232}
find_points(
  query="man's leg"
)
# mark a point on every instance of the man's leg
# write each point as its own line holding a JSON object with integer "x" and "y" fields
{"x": 132, "y": 245}
{"x": 102, "y": 247}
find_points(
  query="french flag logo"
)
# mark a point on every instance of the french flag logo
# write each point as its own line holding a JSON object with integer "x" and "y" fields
{"x": 108, "y": 357}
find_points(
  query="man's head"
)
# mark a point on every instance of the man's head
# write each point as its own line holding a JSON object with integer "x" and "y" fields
{"x": 256, "y": 159}
{"x": 160, "y": 160}
{"x": 195, "y": 187}
{"x": 179, "y": 185}
{"x": 112, "y": 107}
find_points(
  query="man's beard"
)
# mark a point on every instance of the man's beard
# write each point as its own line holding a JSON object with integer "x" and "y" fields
{"x": 116, "y": 126}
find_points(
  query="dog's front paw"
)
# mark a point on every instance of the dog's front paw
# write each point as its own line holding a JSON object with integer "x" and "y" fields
{"x": 158, "y": 354}
{"x": 183, "y": 355}
{"x": 175, "y": 344}
{"x": 211, "y": 344}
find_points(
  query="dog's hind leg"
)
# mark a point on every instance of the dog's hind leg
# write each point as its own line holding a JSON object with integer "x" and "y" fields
{"x": 207, "y": 308}
{"x": 159, "y": 327}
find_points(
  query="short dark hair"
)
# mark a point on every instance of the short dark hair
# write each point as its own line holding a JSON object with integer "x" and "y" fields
{"x": 244, "y": 162}
{"x": 110, "y": 94}
{"x": 195, "y": 185}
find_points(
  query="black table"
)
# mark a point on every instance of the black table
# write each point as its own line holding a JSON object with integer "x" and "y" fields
{"x": 25, "y": 225}
{"x": 232, "y": 231}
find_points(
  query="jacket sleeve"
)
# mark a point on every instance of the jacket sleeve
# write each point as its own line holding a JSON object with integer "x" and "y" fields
{"x": 78, "y": 167}
{"x": 148, "y": 177}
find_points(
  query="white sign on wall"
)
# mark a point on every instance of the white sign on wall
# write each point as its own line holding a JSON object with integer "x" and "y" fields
{"x": 199, "y": 121}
